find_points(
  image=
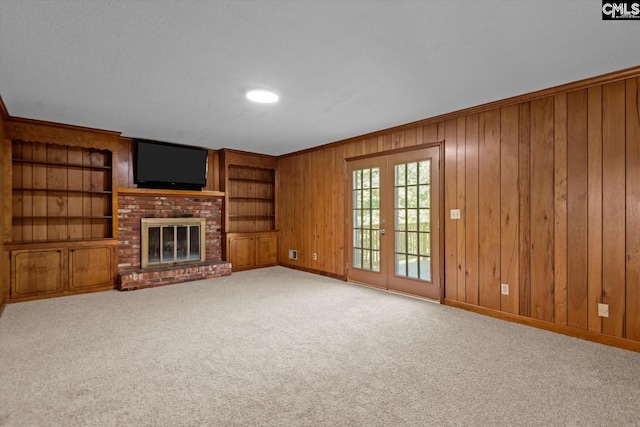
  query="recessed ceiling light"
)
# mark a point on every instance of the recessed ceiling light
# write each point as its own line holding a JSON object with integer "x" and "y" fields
{"x": 262, "y": 96}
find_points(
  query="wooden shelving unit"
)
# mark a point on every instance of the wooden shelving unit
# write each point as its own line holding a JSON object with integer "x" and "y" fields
{"x": 62, "y": 224}
{"x": 251, "y": 201}
{"x": 251, "y": 238}
{"x": 60, "y": 193}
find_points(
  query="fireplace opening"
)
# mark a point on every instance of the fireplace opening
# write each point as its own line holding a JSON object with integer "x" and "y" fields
{"x": 169, "y": 241}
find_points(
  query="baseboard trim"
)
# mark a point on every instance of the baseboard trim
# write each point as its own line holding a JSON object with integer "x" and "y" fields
{"x": 548, "y": 326}
{"x": 311, "y": 270}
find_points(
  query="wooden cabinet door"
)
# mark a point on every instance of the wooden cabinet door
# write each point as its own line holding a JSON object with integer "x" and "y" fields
{"x": 37, "y": 272}
{"x": 241, "y": 252}
{"x": 267, "y": 250}
{"x": 91, "y": 267}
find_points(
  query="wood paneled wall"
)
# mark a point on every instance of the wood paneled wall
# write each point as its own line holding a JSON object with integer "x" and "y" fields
{"x": 549, "y": 189}
{"x": 4, "y": 179}
{"x": 311, "y": 201}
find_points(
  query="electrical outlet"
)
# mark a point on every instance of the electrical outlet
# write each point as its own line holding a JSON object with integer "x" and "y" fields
{"x": 603, "y": 310}
{"x": 504, "y": 289}
{"x": 293, "y": 254}
{"x": 315, "y": 256}
{"x": 455, "y": 213}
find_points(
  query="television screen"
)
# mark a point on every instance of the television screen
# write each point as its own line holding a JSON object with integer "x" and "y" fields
{"x": 162, "y": 165}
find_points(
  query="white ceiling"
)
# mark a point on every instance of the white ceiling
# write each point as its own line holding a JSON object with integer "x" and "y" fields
{"x": 177, "y": 71}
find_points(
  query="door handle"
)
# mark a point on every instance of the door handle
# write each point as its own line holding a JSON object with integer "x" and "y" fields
{"x": 382, "y": 232}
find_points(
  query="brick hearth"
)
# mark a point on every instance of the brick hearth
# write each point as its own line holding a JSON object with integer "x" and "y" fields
{"x": 135, "y": 204}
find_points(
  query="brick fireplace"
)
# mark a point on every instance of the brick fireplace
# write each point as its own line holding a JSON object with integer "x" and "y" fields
{"x": 135, "y": 204}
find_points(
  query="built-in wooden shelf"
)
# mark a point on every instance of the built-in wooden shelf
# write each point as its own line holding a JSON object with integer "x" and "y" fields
{"x": 63, "y": 165}
{"x": 63, "y": 190}
{"x": 62, "y": 217}
{"x": 251, "y": 199}
{"x": 241, "y": 217}
{"x": 46, "y": 243}
{"x": 250, "y": 212}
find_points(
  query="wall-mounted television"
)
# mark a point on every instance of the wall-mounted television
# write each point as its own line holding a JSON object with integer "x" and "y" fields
{"x": 170, "y": 166}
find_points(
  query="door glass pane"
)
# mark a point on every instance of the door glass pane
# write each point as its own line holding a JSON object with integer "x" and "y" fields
{"x": 357, "y": 257}
{"x": 375, "y": 260}
{"x": 401, "y": 197}
{"x": 412, "y": 266}
{"x": 375, "y": 178}
{"x": 375, "y": 198}
{"x": 375, "y": 243}
{"x": 401, "y": 265}
{"x": 401, "y": 241}
{"x": 366, "y": 178}
{"x": 357, "y": 199}
{"x": 401, "y": 219}
{"x": 412, "y": 173}
{"x": 413, "y": 220}
{"x": 357, "y": 179}
{"x": 366, "y": 219}
{"x": 400, "y": 179}
{"x": 425, "y": 268}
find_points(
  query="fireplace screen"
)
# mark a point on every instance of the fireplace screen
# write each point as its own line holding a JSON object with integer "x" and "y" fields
{"x": 172, "y": 240}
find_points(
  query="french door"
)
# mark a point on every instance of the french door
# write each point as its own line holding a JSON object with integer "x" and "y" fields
{"x": 393, "y": 213}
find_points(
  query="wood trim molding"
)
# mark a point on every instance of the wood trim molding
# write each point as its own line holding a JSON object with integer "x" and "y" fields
{"x": 61, "y": 126}
{"x": 14, "y": 246}
{"x": 161, "y": 192}
{"x": 548, "y": 326}
{"x": 244, "y": 158}
{"x": 38, "y": 131}
{"x": 4, "y": 113}
{"x": 399, "y": 150}
{"x": 518, "y": 99}
{"x": 311, "y": 270}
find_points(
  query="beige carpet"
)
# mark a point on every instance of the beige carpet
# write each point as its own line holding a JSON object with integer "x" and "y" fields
{"x": 278, "y": 347}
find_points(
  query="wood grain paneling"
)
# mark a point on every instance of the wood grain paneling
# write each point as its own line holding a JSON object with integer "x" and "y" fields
{"x": 451, "y": 202}
{"x": 613, "y": 206}
{"x": 524, "y": 205}
{"x": 5, "y": 208}
{"x": 560, "y": 208}
{"x": 124, "y": 166}
{"x": 594, "y": 208}
{"x": 460, "y": 182}
{"x": 509, "y": 255}
{"x": 489, "y": 209}
{"x": 577, "y": 209}
{"x": 471, "y": 210}
{"x": 542, "y": 215}
{"x": 632, "y": 298}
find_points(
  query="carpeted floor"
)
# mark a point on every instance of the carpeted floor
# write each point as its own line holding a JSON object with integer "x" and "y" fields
{"x": 278, "y": 347}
